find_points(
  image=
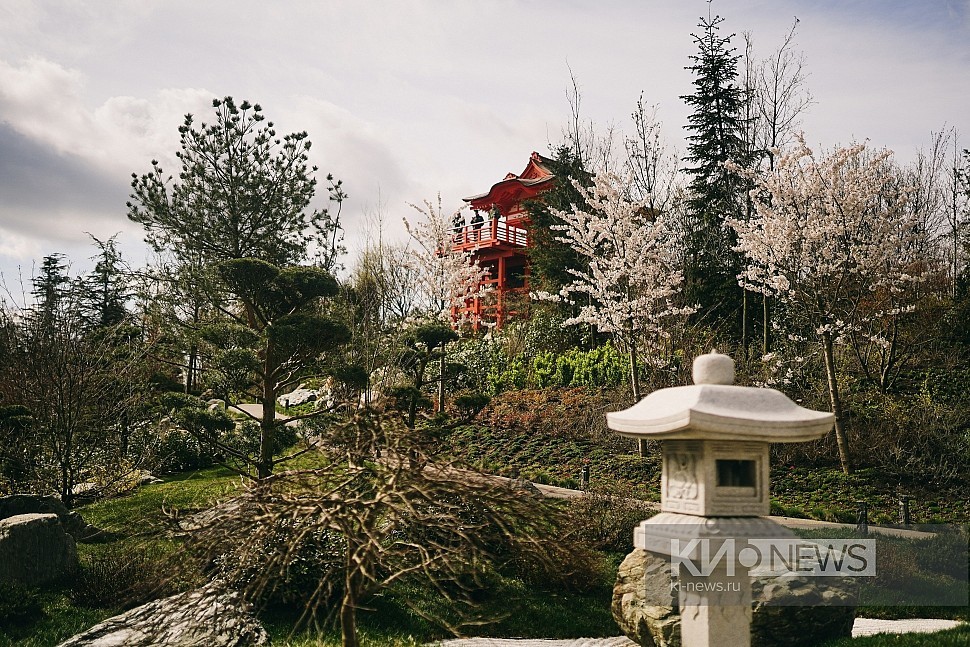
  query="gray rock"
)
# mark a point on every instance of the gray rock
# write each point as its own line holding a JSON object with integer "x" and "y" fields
{"x": 298, "y": 396}
{"x": 208, "y": 617}
{"x": 35, "y": 549}
{"x": 144, "y": 477}
{"x": 210, "y": 516}
{"x": 645, "y": 606}
{"x": 17, "y": 504}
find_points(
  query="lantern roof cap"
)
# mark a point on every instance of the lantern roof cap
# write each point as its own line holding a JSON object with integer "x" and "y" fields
{"x": 715, "y": 409}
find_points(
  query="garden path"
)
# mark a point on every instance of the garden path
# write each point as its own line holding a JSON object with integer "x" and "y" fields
{"x": 862, "y": 627}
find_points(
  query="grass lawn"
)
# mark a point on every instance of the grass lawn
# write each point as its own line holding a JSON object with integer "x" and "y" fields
{"x": 959, "y": 637}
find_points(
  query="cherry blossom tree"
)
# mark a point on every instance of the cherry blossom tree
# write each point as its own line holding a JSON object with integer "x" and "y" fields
{"x": 632, "y": 278}
{"x": 827, "y": 234}
{"x": 445, "y": 278}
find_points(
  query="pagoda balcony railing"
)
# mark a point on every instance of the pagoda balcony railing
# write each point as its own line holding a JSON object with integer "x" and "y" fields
{"x": 489, "y": 234}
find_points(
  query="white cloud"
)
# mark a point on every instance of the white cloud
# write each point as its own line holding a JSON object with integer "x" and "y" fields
{"x": 18, "y": 246}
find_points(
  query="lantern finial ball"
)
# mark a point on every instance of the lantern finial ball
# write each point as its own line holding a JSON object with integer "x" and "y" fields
{"x": 713, "y": 368}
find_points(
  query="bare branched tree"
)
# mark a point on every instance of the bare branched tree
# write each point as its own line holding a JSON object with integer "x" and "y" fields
{"x": 84, "y": 392}
{"x": 781, "y": 95}
{"x": 398, "y": 517}
{"x": 594, "y": 148}
{"x": 652, "y": 165}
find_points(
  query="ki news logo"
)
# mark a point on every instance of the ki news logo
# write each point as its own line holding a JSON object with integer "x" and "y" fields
{"x": 815, "y": 558}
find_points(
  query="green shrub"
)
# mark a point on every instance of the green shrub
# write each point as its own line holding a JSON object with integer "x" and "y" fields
{"x": 602, "y": 366}
{"x": 507, "y": 376}
{"x": 180, "y": 451}
{"x": 947, "y": 386}
{"x": 278, "y": 571}
{"x": 245, "y": 437}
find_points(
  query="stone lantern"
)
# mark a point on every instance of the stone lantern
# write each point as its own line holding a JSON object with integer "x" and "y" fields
{"x": 714, "y": 489}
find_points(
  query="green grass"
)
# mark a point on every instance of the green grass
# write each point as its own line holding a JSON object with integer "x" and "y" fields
{"x": 149, "y": 510}
{"x": 958, "y": 637}
{"x": 60, "y": 620}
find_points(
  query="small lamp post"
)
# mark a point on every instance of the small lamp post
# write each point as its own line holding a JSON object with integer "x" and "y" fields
{"x": 714, "y": 489}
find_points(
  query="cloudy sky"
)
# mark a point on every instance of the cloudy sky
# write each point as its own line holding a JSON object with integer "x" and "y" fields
{"x": 407, "y": 98}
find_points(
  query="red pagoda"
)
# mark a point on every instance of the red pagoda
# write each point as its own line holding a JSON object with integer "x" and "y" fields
{"x": 498, "y": 237}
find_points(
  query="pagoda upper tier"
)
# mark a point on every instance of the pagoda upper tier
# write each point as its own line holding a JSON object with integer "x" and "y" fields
{"x": 509, "y": 195}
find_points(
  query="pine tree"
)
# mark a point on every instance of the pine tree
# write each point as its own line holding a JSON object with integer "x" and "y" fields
{"x": 717, "y": 128}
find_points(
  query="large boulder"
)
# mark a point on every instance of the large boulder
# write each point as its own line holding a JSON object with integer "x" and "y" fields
{"x": 35, "y": 549}
{"x": 298, "y": 396}
{"x": 645, "y": 606}
{"x": 13, "y": 505}
{"x": 208, "y": 616}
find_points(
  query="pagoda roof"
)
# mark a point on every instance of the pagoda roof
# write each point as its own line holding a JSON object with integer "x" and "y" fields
{"x": 516, "y": 188}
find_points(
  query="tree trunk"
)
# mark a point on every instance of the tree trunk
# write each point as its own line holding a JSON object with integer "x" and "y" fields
{"x": 441, "y": 381}
{"x": 267, "y": 425}
{"x": 635, "y": 385}
{"x": 634, "y": 377}
{"x": 765, "y": 325}
{"x": 744, "y": 324}
{"x": 348, "y": 613}
{"x": 190, "y": 369}
{"x": 841, "y": 438}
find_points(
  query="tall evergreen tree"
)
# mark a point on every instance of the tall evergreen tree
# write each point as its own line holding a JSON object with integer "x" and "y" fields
{"x": 235, "y": 228}
{"x": 50, "y": 286}
{"x": 104, "y": 292}
{"x": 717, "y": 134}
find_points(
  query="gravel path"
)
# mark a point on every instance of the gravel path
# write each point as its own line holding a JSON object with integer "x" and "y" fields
{"x": 862, "y": 627}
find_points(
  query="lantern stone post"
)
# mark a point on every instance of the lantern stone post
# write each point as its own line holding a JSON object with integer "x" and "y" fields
{"x": 714, "y": 489}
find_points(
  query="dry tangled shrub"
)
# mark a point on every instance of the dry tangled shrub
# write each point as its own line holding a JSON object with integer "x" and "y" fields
{"x": 382, "y": 510}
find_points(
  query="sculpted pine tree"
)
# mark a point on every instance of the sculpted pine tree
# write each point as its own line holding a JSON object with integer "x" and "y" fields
{"x": 235, "y": 225}
{"x": 827, "y": 233}
{"x": 275, "y": 331}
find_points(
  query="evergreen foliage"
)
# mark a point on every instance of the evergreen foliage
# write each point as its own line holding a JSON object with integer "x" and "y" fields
{"x": 274, "y": 332}
{"x": 242, "y": 192}
{"x": 717, "y": 135}
{"x": 105, "y": 291}
{"x": 549, "y": 258}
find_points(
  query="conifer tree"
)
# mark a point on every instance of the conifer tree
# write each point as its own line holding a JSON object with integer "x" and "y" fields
{"x": 50, "y": 286}
{"x": 105, "y": 290}
{"x": 717, "y": 135}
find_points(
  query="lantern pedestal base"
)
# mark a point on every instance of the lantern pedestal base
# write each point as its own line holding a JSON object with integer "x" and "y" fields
{"x": 715, "y": 610}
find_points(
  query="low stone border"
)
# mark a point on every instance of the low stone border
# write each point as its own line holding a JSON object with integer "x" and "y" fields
{"x": 862, "y": 627}
{"x": 869, "y": 626}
